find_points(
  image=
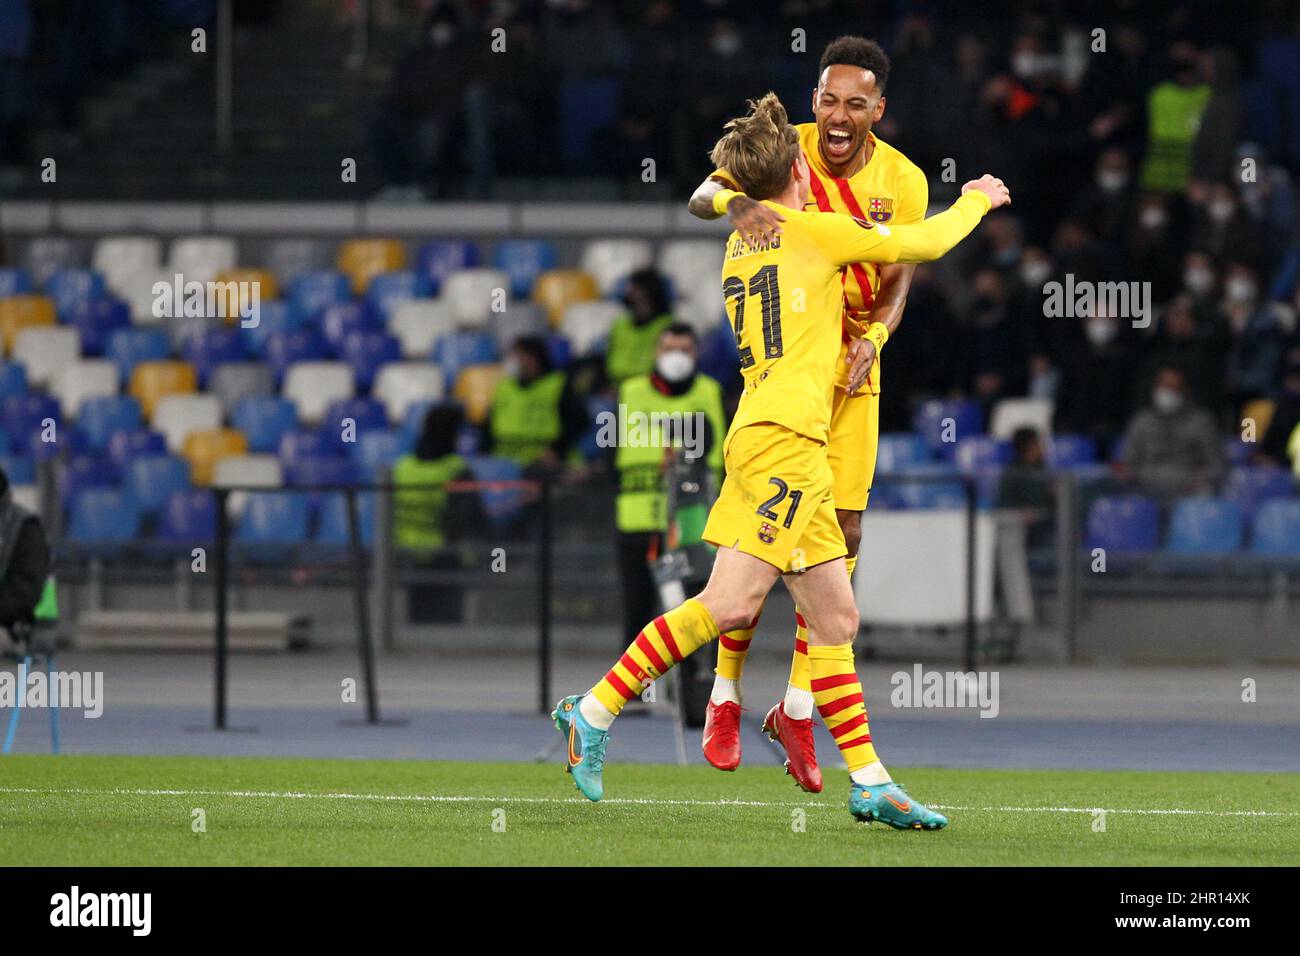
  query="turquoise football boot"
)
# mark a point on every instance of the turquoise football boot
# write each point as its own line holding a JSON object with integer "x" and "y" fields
{"x": 889, "y": 803}
{"x": 586, "y": 756}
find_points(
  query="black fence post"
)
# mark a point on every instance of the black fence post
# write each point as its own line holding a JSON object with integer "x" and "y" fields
{"x": 220, "y": 573}
{"x": 362, "y": 607}
{"x": 971, "y": 513}
{"x": 544, "y": 602}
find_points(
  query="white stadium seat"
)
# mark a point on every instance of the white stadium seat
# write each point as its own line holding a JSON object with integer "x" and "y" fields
{"x": 46, "y": 255}
{"x": 610, "y": 260}
{"x": 43, "y": 350}
{"x": 1012, "y": 413}
{"x": 78, "y": 381}
{"x": 177, "y": 415}
{"x": 289, "y": 258}
{"x": 399, "y": 385}
{"x": 201, "y": 258}
{"x": 587, "y": 324}
{"x": 519, "y": 318}
{"x": 418, "y": 323}
{"x": 471, "y": 293}
{"x": 138, "y": 291}
{"x": 248, "y": 471}
{"x": 314, "y": 386}
{"x": 29, "y": 497}
{"x": 694, "y": 267}
{"x": 119, "y": 257}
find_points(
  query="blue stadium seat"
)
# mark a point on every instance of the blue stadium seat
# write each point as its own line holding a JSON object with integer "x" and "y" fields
{"x": 209, "y": 348}
{"x": 500, "y": 505}
{"x": 14, "y": 281}
{"x": 84, "y": 472}
{"x": 124, "y": 446}
{"x": 264, "y": 420}
{"x": 1123, "y": 523}
{"x": 152, "y": 479}
{"x": 104, "y": 516}
{"x": 96, "y": 320}
{"x": 388, "y": 290}
{"x": 439, "y": 258}
{"x": 524, "y": 260}
{"x": 1275, "y": 532}
{"x": 298, "y": 345}
{"x": 100, "y": 417}
{"x": 1251, "y": 486}
{"x": 451, "y": 353}
{"x": 19, "y": 469}
{"x": 312, "y": 470}
{"x": 981, "y": 451}
{"x": 1072, "y": 451}
{"x": 189, "y": 517}
{"x": 72, "y": 287}
{"x": 129, "y": 347}
{"x": 1205, "y": 526}
{"x": 930, "y": 488}
{"x": 718, "y": 356}
{"x": 414, "y": 422}
{"x": 13, "y": 379}
{"x": 313, "y": 291}
{"x": 376, "y": 450}
{"x": 367, "y": 415}
{"x": 899, "y": 451}
{"x": 23, "y": 415}
{"x": 333, "y": 525}
{"x": 933, "y": 419}
{"x": 367, "y": 352}
{"x": 274, "y": 315}
{"x": 1237, "y": 452}
{"x": 339, "y": 320}
{"x": 274, "y": 517}
{"x": 297, "y": 445}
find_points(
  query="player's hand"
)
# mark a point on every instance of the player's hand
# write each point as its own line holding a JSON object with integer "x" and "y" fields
{"x": 992, "y": 187}
{"x": 756, "y": 223}
{"x": 862, "y": 355}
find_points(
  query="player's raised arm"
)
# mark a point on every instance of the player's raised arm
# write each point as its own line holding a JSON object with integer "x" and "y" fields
{"x": 756, "y": 223}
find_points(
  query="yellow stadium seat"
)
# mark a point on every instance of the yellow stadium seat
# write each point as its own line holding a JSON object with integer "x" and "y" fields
{"x": 204, "y": 448}
{"x": 152, "y": 381}
{"x": 1260, "y": 411}
{"x": 245, "y": 280}
{"x": 557, "y": 289}
{"x": 363, "y": 259}
{"x": 474, "y": 389}
{"x": 18, "y": 312}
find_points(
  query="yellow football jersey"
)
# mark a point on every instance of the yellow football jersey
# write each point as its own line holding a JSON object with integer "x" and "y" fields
{"x": 785, "y": 303}
{"x": 890, "y": 189}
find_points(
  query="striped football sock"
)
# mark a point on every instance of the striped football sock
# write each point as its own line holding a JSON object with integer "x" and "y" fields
{"x": 838, "y": 694}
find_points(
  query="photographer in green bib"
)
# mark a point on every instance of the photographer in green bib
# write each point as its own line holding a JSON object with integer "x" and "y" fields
{"x": 671, "y": 407}
{"x": 535, "y": 417}
{"x": 26, "y": 587}
{"x": 632, "y": 339}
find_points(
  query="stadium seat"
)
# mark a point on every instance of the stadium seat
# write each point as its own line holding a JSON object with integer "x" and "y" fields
{"x": 264, "y": 420}
{"x": 311, "y": 471}
{"x": 175, "y": 416}
{"x": 375, "y": 452}
{"x": 609, "y": 261}
{"x": 43, "y": 351}
{"x": 363, "y": 259}
{"x": 1205, "y": 526}
{"x": 475, "y": 387}
{"x": 1260, "y": 413}
{"x": 151, "y": 382}
{"x": 390, "y": 289}
{"x": 333, "y": 528}
{"x": 1237, "y": 452}
{"x": 274, "y": 517}
{"x": 202, "y": 258}
{"x": 519, "y": 318}
{"x": 557, "y": 289}
{"x": 129, "y": 347}
{"x": 341, "y": 319}
{"x": 19, "y": 469}
{"x": 147, "y": 307}
{"x": 366, "y": 352}
{"x": 25, "y": 417}
{"x": 152, "y": 479}
{"x": 204, "y": 447}
{"x": 232, "y": 382}
{"x": 14, "y": 281}
{"x": 980, "y": 451}
{"x": 1250, "y": 486}
{"x": 475, "y": 295}
{"x": 314, "y": 386}
{"x": 943, "y": 423}
{"x": 899, "y": 451}
{"x": 104, "y": 516}
{"x": 124, "y": 446}
{"x": 73, "y": 287}
{"x": 693, "y": 267}
{"x": 245, "y": 280}
{"x": 189, "y": 517}
{"x": 400, "y": 385}
{"x": 248, "y": 471}
{"x": 365, "y": 414}
{"x": 523, "y": 260}
{"x": 1275, "y": 530}
{"x": 303, "y": 443}
{"x": 290, "y": 258}
{"x": 86, "y": 471}
{"x": 1123, "y": 524}
{"x": 99, "y": 417}
{"x": 418, "y": 324}
{"x": 46, "y": 255}
{"x": 95, "y": 320}
{"x": 312, "y": 291}
{"x": 21, "y": 312}
{"x": 13, "y": 379}
{"x": 439, "y": 258}
{"x": 459, "y": 350}
{"x": 1010, "y": 414}
{"x": 275, "y": 316}
{"x": 118, "y": 258}
{"x": 586, "y": 325}
{"x": 211, "y": 347}
{"x": 943, "y": 495}
{"x": 284, "y": 349}
{"x": 1071, "y": 451}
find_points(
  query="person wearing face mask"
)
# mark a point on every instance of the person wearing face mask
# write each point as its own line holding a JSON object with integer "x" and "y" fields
{"x": 632, "y": 340}
{"x": 1107, "y": 206}
{"x": 1257, "y": 340}
{"x": 1089, "y": 400}
{"x": 1171, "y": 447}
{"x": 1186, "y": 341}
{"x": 1223, "y": 228}
{"x": 672, "y": 385}
{"x": 534, "y": 418}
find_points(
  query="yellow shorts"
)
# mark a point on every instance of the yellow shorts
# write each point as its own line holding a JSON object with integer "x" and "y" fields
{"x": 776, "y": 501}
{"x": 854, "y": 438}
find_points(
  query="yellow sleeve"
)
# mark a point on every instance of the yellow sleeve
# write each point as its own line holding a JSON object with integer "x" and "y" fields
{"x": 914, "y": 197}
{"x": 844, "y": 239}
{"x": 726, "y": 178}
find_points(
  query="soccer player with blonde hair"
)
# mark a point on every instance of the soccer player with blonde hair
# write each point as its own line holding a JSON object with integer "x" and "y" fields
{"x": 775, "y": 514}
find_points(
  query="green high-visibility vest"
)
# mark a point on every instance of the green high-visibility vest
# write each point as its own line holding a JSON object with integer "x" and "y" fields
{"x": 525, "y": 419}
{"x": 47, "y": 609}
{"x": 642, "y": 503}
{"x": 1174, "y": 117}
{"x": 418, "y": 511}
{"x": 631, "y": 348}
{"x": 1293, "y": 450}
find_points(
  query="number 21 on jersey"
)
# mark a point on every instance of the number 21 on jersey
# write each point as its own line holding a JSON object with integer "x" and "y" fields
{"x": 764, "y": 285}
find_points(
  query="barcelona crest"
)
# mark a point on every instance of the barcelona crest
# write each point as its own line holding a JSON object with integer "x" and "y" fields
{"x": 880, "y": 210}
{"x": 766, "y": 533}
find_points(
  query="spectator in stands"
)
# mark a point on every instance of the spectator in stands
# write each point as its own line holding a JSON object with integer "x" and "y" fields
{"x": 1174, "y": 109}
{"x": 1200, "y": 282}
{"x": 1108, "y": 205}
{"x": 1153, "y": 247}
{"x": 1222, "y": 227}
{"x": 1101, "y": 353}
{"x": 1276, "y": 446}
{"x": 1026, "y": 487}
{"x": 993, "y": 350}
{"x": 24, "y": 562}
{"x": 1184, "y": 342}
{"x": 425, "y": 518}
{"x": 15, "y": 47}
{"x": 1172, "y": 447}
{"x": 673, "y": 385}
{"x": 535, "y": 418}
{"x": 1255, "y": 351}
{"x": 632, "y": 340}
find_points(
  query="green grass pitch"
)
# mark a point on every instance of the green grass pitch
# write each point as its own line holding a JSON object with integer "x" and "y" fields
{"x": 78, "y": 811}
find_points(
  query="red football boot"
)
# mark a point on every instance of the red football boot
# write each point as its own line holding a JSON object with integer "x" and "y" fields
{"x": 796, "y": 737}
{"x": 722, "y": 735}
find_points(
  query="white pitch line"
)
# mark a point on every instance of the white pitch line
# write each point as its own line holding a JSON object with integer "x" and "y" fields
{"x": 634, "y": 801}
